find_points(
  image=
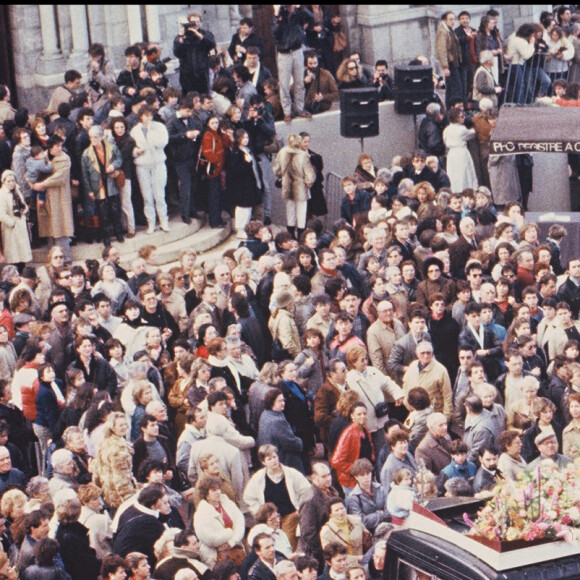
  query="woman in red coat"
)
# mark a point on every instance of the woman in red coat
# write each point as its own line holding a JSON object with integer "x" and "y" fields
{"x": 213, "y": 158}
{"x": 355, "y": 443}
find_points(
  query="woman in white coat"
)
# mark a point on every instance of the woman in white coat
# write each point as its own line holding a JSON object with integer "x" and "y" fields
{"x": 13, "y": 210}
{"x": 218, "y": 522}
{"x": 460, "y": 166}
{"x": 151, "y": 138}
{"x": 372, "y": 387}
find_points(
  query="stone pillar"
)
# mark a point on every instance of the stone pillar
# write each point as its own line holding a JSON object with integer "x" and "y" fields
{"x": 80, "y": 37}
{"x": 134, "y": 23}
{"x": 152, "y": 18}
{"x": 50, "y": 48}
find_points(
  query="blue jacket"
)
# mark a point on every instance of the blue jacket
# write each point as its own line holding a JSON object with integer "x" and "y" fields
{"x": 467, "y": 471}
{"x": 47, "y": 411}
{"x": 360, "y": 204}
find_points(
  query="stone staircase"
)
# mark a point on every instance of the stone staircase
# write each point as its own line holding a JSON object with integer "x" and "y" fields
{"x": 197, "y": 236}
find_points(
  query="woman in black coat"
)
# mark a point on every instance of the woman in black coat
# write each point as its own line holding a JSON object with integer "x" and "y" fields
{"x": 244, "y": 185}
{"x": 80, "y": 560}
{"x": 298, "y": 411}
{"x": 126, "y": 145}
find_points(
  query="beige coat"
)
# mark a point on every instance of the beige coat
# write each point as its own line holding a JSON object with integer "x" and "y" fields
{"x": 330, "y": 533}
{"x": 380, "y": 340}
{"x": 57, "y": 222}
{"x": 571, "y": 440}
{"x": 15, "y": 241}
{"x": 293, "y": 167}
{"x": 283, "y": 328}
{"x": 447, "y": 47}
{"x": 435, "y": 380}
{"x": 558, "y": 339}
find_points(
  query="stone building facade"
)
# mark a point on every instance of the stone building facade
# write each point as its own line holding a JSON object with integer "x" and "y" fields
{"x": 46, "y": 40}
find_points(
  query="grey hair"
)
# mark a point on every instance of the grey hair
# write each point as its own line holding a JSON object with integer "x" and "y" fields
{"x": 377, "y": 232}
{"x": 96, "y": 131}
{"x": 485, "y": 56}
{"x": 60, "y": 458}
{"x": 433, "y": 109}
{"x": 35, "y": 485}
{"x": 283, "y": 567}
{"x": 485, "y": 104}
{"x": 433, "y": 417}
{"x": 391, "y": 270}
{"x": 137, "y": 370}
{"x": 9, "y": 272}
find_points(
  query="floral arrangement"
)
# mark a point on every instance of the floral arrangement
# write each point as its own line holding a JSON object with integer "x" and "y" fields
{"x": 535, "y": 506}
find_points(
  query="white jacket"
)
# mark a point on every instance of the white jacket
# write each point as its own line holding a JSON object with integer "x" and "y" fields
{"x": 296, "y": 484}
{"x": 210, "y": 530}
{"x": 218, "y": 425}
{"x": 153, "y": 144}
{"x": 373, "y": 388}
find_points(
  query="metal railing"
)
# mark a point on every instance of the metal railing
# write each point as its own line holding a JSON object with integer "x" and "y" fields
{"x": 334, "y": 194}
{"x": 525, "y": 82}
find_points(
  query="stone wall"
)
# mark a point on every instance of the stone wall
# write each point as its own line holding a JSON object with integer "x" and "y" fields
{"x": 48, "y": 40}
{"x": 396, "y": 135}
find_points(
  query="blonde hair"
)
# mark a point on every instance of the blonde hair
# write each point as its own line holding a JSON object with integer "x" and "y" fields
{"x": 11, "y": 499}
{"x": 294, "y": 141}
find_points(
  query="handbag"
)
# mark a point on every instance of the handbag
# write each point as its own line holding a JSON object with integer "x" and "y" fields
{"x": 203, "y": 166}
{"x": 119, "y": 177}
{"x": 381, "y": 409}
{"x": 279, "y": 353}
{"x": 367, "y": 541}
{"x": 339, "y": 41}
{"x": 236, "y": 554}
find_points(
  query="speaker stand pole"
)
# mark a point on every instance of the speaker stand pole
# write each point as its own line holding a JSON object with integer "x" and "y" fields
{"x": 362, "y": 144}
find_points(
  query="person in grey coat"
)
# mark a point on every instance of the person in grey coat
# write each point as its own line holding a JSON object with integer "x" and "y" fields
{"x": 368, "y": 499}
{"x": 274, "y": 429}
{"x": 311, "y": 362}
{"x": 478, "y": 427}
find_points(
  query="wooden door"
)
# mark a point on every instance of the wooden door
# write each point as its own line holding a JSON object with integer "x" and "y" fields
{"x": 263, "y": 14}
{"x": 6, "y": 57}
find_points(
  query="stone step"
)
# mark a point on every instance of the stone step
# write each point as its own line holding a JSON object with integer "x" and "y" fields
{"x": 197, "y": 236}
{"x": 200, "y": 242}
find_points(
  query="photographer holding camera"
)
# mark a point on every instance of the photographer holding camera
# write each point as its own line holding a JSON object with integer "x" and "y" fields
{"x": 100, "y": 72}
{"x": 261, "y": 130}
{"x": 382, "y": 81}
{"x": 192, "y": 47}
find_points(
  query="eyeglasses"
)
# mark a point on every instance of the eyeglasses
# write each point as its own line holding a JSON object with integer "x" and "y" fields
{"x": 425, "y": 352}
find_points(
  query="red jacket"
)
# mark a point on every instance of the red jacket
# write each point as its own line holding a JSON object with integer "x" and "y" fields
{"x": 347, "y": 452}
{"x": 213, "y": 149}
{"x": 28, "y": 394}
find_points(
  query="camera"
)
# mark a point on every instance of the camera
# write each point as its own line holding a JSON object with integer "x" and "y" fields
{"x": 96, "y": 86}
{"x": 259, "y": 109}
{"x": 384, "y": 76}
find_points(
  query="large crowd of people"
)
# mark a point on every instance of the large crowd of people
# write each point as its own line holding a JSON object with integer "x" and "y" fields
{"x": 273, "y": 415}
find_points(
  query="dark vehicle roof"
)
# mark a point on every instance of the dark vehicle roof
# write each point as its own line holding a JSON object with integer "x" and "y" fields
{"x": 436, "y": 556}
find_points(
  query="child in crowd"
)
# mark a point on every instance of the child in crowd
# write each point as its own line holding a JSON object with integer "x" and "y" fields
{"x": 378, "y": 209}
{"x": 401, "y": 496}
{"x": 38, "y": 168}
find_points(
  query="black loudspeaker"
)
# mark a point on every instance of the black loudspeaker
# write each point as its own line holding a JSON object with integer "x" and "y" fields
{"x": 413, "y": 89}
{"x": 359, "y": 112}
